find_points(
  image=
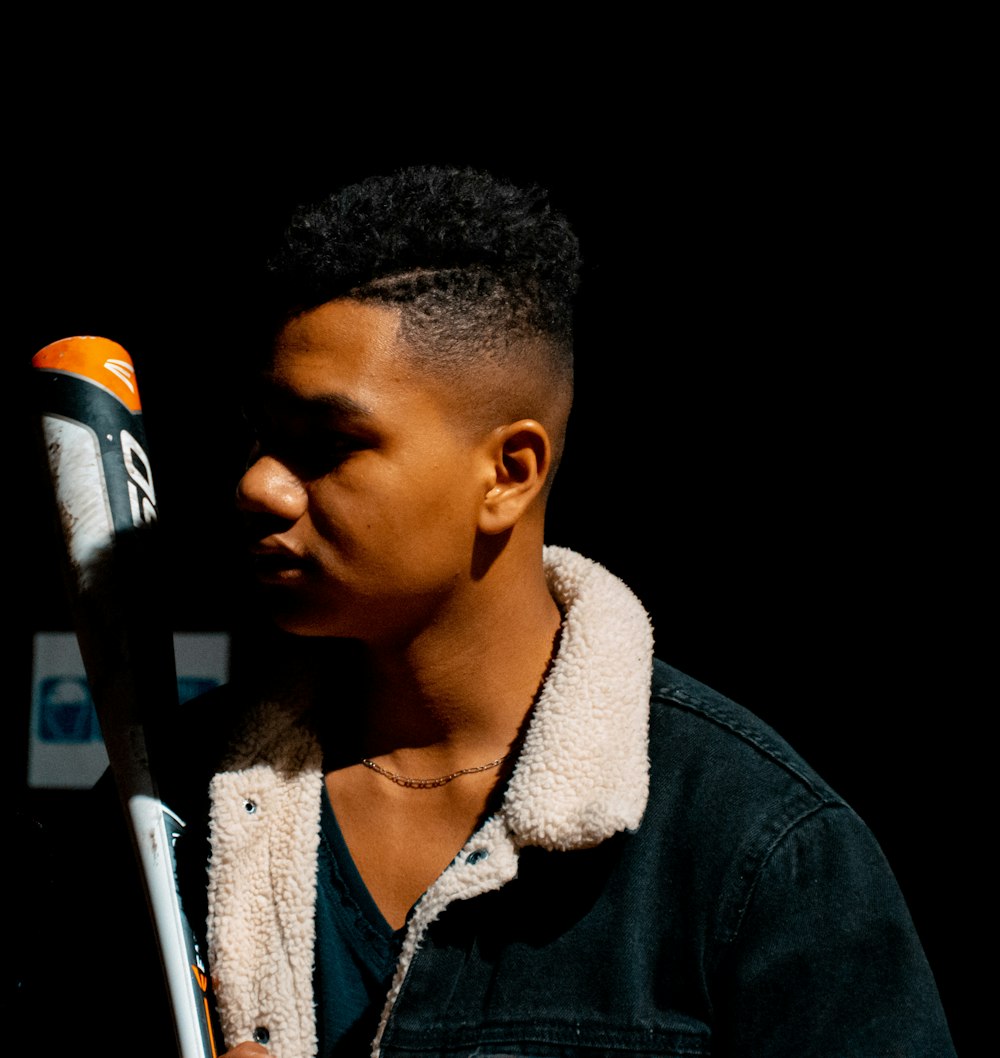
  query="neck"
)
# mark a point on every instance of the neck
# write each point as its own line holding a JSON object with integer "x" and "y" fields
{"x": 458, "y": 694}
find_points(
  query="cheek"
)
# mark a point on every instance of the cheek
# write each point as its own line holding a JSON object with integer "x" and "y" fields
{"x": 425, "y": 507}
{"x": 449, "y": 498}
{"x": 429, "y": 538}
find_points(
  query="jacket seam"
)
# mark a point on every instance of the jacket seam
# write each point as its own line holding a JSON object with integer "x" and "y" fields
{"x": 689, "y": 704}
{"x": 795, "y": 824}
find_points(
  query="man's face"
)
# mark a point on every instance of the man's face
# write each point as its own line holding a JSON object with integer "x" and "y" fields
{"x": 362, "y": 495}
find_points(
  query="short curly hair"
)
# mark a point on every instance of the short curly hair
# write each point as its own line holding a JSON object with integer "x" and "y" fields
{"x": 480, "y": 269}
{"x": 434, "y": 236}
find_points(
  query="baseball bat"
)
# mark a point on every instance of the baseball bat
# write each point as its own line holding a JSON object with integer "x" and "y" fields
{"x": 106, "y": 504}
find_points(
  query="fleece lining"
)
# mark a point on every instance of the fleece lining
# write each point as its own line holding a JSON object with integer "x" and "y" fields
{"x": 582, "y": 776}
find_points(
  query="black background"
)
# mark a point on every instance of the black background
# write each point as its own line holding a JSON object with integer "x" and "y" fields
{"x": 760, "y": 448}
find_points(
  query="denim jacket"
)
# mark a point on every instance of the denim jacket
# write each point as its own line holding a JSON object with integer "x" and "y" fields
{"x": 664, "y": 877}
{"x": 751, "y": 913}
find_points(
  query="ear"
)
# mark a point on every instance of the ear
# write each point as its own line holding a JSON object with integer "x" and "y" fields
{"x": 521, "y": 455}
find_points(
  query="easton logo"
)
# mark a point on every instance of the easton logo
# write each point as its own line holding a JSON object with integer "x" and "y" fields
{"x": 141, "y": 495}
{"x": 121, "y": 369}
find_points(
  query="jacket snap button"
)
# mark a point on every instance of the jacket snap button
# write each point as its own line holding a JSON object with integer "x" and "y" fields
{"x": 476, "y": 855}
{"x": 261, "y": 1035}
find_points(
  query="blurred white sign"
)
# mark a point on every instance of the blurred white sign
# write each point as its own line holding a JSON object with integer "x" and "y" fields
{"x": 65, "y": 749}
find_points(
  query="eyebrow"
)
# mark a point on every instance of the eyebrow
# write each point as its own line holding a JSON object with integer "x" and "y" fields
{"x": 341, "y": 405}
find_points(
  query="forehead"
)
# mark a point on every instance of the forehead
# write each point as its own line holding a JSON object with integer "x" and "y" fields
{"x": 343, "y": 338}
{"x": 345, "y": 360}
{"x": 345, "y": 351}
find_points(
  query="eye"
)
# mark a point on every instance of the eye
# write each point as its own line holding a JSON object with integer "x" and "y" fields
{"x": 324, "y": 452}
{"x": 309, "y": 454}
{"x": 310, "y": 440}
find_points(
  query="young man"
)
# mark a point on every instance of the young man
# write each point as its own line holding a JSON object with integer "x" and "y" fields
{"x": 488, "y": 821}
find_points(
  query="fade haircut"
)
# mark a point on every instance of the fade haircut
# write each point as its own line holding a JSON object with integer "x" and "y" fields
{"x": 483, "y": 273}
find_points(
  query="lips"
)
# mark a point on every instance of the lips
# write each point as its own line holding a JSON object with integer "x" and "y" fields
{"x": 276, "y": 565}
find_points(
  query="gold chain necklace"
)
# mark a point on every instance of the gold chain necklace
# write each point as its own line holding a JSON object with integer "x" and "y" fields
{"x": 430, "y": 784}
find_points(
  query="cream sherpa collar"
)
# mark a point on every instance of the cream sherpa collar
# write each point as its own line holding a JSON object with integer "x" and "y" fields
{"x": 583, "y": 773}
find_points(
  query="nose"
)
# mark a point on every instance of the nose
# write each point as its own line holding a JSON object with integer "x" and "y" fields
{"x": 268, "y": 486}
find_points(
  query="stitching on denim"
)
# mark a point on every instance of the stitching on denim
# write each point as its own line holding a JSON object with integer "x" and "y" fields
{"x": 754, "y": 872}
{"x": 553, "y": 1031}
{"x": 678, "y": 697}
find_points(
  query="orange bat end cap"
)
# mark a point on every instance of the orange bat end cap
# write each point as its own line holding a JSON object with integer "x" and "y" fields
{"x": 98, "y": 359}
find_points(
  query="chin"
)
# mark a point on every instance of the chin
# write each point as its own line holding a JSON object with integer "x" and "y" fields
{"x": 313, "y": 624}
{"x": 308, "y": 626}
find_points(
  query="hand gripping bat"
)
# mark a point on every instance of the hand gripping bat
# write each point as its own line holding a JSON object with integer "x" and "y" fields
{"x": 95, "y": 446}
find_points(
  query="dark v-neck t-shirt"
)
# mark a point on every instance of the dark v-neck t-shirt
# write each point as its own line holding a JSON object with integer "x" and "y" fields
{"x": 356, "y": 949}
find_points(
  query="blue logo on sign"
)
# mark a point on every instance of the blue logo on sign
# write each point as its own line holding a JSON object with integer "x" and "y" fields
{"x": 66, "y": 711}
